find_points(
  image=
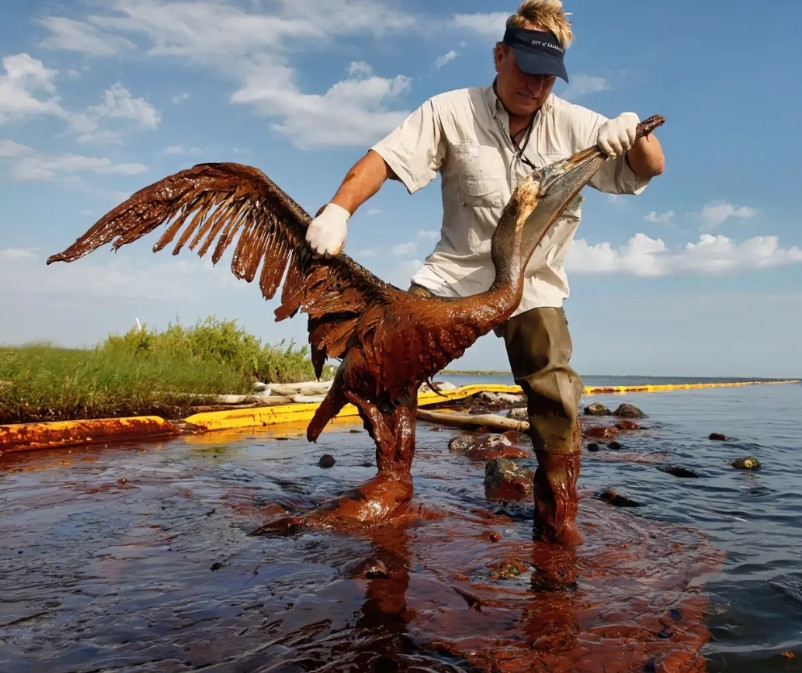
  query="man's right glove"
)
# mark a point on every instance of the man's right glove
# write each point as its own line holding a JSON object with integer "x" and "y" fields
{"x": 326, "y": 233}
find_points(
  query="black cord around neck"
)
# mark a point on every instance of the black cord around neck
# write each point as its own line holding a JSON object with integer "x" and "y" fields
{"x": 519, "y": 149}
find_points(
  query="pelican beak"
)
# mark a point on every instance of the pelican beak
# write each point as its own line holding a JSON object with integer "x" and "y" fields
{"x": 561, "y": 182}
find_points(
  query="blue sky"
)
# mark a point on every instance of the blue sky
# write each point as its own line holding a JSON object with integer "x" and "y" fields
{"x": 698, "y": 276}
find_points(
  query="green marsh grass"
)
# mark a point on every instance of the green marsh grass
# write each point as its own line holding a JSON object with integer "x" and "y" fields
{"x": 142, "y": 372}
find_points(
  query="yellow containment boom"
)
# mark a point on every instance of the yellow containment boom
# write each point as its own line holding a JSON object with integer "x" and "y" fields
{"x": 27, "y": 436}
{"x": 301, "y": 413}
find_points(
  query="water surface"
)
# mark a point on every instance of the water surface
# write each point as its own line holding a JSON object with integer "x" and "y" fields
{"x": 137, "y": 558}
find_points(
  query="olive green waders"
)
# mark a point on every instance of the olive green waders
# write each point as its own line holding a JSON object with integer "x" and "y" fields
{"x": 539, "y": 350}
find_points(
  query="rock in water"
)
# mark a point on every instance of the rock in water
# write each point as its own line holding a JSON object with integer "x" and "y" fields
{"x": 506, "y": 480}
{"x": 678, "y": 471}
{"x": 628, "y": 411}
{"x": 326, "y": 460}
{"x": 612, "y": 498}
{"x": 747, "y": 463}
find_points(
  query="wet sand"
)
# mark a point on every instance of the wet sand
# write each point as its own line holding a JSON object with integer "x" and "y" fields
{"x": 138, "y": 558}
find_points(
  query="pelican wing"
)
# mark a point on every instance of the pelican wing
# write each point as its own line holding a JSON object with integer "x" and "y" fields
{"x": 214, "y": 206}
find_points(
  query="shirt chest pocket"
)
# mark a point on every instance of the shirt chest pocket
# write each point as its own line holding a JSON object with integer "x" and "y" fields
{"x": 478, "y": 171}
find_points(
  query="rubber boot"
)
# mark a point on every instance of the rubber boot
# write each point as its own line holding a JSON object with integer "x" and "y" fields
{"x": 556, "y": 501}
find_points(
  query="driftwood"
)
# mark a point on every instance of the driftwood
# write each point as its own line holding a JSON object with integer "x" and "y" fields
{"x": 491, "y": 421}
{"x": 303, "y": 388}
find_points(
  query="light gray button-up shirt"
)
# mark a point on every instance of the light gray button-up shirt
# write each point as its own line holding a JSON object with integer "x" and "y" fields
{"x": 464, "y": 135}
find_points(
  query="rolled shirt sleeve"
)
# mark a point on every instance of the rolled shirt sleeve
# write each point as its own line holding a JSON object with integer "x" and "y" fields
{"x": 415, "y": 149}
{"x": 616, "y": 176}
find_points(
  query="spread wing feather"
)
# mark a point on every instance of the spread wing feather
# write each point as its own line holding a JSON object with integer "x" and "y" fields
{"x": 215, "y": 206}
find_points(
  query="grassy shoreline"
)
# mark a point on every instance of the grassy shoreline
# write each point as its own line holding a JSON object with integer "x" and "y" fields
{"x": 142, "y": 372}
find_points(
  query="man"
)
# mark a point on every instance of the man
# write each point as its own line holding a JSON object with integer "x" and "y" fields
{"x": 483, "y": 141}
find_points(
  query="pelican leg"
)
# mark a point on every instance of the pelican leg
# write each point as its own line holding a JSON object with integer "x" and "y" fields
{"x": 328, "y": 409}
{"x": 378, "y": 427}
{"x": 404, "y": 432}
{"x": 393, "y": 431}
{"x": 386, "y": 496}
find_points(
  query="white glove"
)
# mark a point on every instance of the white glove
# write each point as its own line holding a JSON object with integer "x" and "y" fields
{"x": 326, "y": 233}
{"x": 617, "y": 135}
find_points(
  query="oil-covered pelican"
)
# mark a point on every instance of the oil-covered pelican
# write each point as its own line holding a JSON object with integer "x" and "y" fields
{"x": 390, "y": 341}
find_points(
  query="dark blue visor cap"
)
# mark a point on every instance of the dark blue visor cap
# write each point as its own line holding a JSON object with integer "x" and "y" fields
{"x": 537, "y": 52}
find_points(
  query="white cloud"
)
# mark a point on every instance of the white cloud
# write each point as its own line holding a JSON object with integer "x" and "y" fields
{"x": 199, "y": 30}
{"x": 486, "y": 25}
{"x": 716, "y": 213}
{"x": 214, "y": 31}
{"x": 118, "y": 103}
{"x": 712, "y": 255}
{"x": 27, "y": 89}
{"x": 31, "y": 165}
{"x": 30, "y": 72}
{"x": 77, "y": 304}
{"x": 359, "y": 69}
{"x": 252, "y": 48}
{"x": 429, "y": 234}
{"x": 659, "y": 218}
{"x": 582, "y": 85}
{"x": 373, "y": 211}
{"x": 10, "y": 149}
{"x": 14, "y": 254}
{"x": 351, "y": 112}
{"x": 179, "y": 150}
{"x": 71, "y": 35}
{"x": 179, "y": 98}
{"x": 118, "y": 276}
{"x": 440, "y": 61}
{"x": 100, "y": 137}
{"x": 404, "y": 249}
{"x": 348, "y": 17}
{"x": 401, "y": 274}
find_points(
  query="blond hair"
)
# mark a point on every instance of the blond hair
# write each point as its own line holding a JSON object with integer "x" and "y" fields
{"x": 547, "y": 13}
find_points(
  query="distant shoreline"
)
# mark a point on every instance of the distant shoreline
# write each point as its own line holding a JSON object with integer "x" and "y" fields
{"x": 471, "y": 372}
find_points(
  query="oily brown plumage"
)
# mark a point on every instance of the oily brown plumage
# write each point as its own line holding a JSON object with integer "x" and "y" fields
{"x": 389, "y": 340}
{"x": 215, "y": 206}
{"x": 352, "y": 313}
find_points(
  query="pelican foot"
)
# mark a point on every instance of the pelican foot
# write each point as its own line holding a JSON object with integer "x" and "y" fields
{"x": 384, "y": 498}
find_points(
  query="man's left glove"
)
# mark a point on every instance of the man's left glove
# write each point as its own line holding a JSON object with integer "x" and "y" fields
{"x": 617, "y": 135}
{"x": 326, "y": 233}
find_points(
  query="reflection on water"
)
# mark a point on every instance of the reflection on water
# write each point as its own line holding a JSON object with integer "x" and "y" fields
{"x": 137, "y": 558}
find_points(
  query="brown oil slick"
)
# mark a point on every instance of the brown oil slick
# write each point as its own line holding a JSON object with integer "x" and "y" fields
{"x": 138, "y": 559}
{"x": 390, "y": 341}
{"x": 27, "y": 436}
